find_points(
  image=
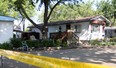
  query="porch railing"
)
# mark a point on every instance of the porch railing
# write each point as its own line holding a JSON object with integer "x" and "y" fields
{"x": 76, "y": 36}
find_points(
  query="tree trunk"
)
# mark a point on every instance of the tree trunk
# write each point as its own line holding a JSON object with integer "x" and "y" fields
{"x": 45, "y": 26}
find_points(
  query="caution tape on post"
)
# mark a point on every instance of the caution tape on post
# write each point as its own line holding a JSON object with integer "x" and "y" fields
{"x": 46, "y": 62}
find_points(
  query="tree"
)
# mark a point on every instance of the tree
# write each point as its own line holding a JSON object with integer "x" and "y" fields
{"x": 108, "y": 8}
{"x": 114, "y": 11}
{"x": 49, "y": 6}
{"x": 6, "y": 10}
{"x": 68, "y": 12}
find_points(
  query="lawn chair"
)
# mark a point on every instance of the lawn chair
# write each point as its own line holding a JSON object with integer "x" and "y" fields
{"x": 24, "y": 46}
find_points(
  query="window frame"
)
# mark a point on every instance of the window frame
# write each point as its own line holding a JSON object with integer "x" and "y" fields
{"x": 76, "y": 28}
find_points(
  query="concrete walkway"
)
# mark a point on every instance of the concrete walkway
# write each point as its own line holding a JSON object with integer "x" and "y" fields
{"x": 97, "y": 56}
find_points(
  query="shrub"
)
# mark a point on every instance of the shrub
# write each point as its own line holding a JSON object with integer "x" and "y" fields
{"x": 113, "y": 39}
{"x": 51, "y": 43}
{"x": 64, "y": 44}
{"x": 58, "y": 43}
{"x": 33, "y": 43}
{"x": 112, "y": 43}
{"x": 6, "y": 46}
{"x": 47, "y": 43}
{"x": 95, "y": 42}
{"x": 16, "y": 42}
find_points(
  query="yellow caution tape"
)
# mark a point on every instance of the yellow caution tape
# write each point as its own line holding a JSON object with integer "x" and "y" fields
{"x": 46, "y": 62}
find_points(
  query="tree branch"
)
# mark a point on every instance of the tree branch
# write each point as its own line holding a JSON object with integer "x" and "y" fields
{"x": 53, "y": 9}
{"x": 23, "y": 13}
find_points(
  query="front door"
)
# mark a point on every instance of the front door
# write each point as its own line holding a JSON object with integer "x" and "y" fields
{"x": 68, "y": 27}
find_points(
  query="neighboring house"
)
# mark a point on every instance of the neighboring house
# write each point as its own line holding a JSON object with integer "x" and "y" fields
{"x": 20, "y": 26}
{"x": 6, "y": 28}
{"x": 110, "y": 32}
{"x": 87, "y": 28}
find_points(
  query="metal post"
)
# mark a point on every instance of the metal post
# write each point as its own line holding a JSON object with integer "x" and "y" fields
{"x": 1, "y": 58}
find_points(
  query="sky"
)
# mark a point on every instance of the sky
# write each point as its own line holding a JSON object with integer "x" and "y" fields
{"x": 95, "y": 2}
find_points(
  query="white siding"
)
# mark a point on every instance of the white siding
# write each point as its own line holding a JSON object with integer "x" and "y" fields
{"x": 6, "y": 31}
{"x": 84, "y": 34}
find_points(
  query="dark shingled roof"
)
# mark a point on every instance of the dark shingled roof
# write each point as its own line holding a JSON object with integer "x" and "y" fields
{"x": 86, "y": 19}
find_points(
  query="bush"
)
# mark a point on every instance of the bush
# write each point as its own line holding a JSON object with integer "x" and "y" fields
{"x": 112, "y": 43}
{"x": 104, "y": 42}
{"x": 58, "y": 43}
{"x": 47, "y": 43}
{"x": 113, "y": 39}
{"x": 64, "y": 44}
{"x": 33, "y": 43}
{"x": 95, "y": 42}
{"x": 6, "y": 46}
{"x": 16, "y": 42}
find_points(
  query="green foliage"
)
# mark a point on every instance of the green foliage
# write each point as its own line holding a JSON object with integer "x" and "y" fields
{"x": 104, "y": 42}
{"x": 95, "y": 42}
{"x": 6, "y": 46}
{"x": 58, "y": 43}
{"x": 108, "y": 8}
{"x": 8, "y": 8}
{"x": 67, "y": 12}
{"x": 47, "y": 43}
{"x": 113, "y": 39}
{"x": 53, "y": 43}
{"x": 64, "y": 44}
{"x": 16, "y": 42}
{"x": 33, "y": 43}
{"x": 107, "y": 43}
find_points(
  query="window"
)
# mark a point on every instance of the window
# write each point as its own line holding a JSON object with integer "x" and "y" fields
{"x": 114, "y": 31}
{"x": 78, "y": 28}
{"x": 68, "y": 26}
{"x": 60, "y": 28}
{"x": 105, "y": 31}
